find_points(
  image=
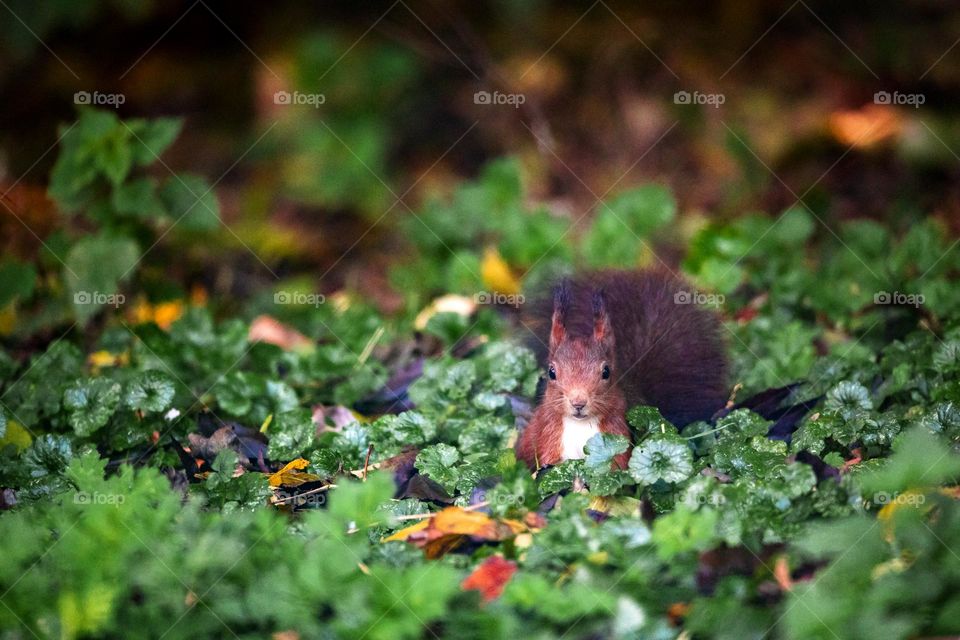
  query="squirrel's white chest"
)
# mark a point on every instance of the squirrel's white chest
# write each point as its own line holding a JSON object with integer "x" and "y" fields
{"x": 575, "y": 434}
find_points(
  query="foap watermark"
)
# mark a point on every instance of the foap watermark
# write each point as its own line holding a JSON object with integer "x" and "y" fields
{"x": 497, "y": 498}
{"x": 495, "y": 298}
{"x": 912, "y": 499}
{"x": 697, "y": 297}
{"x": 900, "y": 99}
{"x": 299, "y": 298}
{"x": 498, "y": 98}
{"x": 304, "y": 500}
{"x": 296, "y": 98}
{"x": 99, "y": 298}
{"x": 98, "y": 99}
{"x": 85, "y": 497}
{"x": 711, "y": 99}
{"x": 898, "y": 298}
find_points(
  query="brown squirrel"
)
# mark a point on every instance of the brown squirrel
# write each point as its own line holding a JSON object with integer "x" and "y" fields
{"x": 619, "y": 339}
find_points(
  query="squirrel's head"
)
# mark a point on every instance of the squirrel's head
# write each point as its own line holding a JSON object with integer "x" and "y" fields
{"x": 580, "y": 372}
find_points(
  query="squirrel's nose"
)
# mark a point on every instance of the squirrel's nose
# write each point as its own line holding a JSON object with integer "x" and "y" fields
{"x": 578, "y": 405}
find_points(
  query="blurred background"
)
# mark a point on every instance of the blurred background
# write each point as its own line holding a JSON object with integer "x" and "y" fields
{"x": 180, "y": 152}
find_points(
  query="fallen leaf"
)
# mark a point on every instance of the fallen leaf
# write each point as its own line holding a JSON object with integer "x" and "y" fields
{"x": 496, "y": 273}
{"x": 781, "y": 571}
{"x": 292, "y": 474}
{"x": 461, "y": 305}
{"x": 866, "y": 127}
{"x": 490, "y": 577}
{"x": 451, "y": 527}
{"x": 270, "y": 330}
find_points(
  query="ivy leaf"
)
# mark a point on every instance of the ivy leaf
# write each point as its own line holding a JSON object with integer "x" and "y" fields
{"x": 920, "y": 459}
{"x": 560, "y": 477}
{"x": 601, "y": 450}
{"x": 438, "y": 462}
{"x": 409, "y": 427}
{"x": 150, "y": 391}
{"x": 90, "y": 404}
{"x": 291, "y": 434}
{"x": 661, "y": 458}
{"x": 236, "y": 391}
{"x": 646, "y": 420}
{"x": 191, "y": 202}
{"x": 849, "y": 398}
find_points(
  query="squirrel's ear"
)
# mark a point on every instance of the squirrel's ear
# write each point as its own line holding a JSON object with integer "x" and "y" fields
{"x": 602, "y": 331}
{"x": 561, "y": 302}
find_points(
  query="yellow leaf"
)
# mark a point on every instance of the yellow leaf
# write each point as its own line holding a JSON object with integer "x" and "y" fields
{"x": 291, "y": 475}
{"x": 496, "y": 273}
{"x": 450, "y": 303}
{"x": 406, "y": 532}
{"x": 164, "y": 314}
{"x": 16, "y": 435}
{"x": 266, "y": 424}
{"x": 100, "y": 359}
{"x": 8, "y": 319}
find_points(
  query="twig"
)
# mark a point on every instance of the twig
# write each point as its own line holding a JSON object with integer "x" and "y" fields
{"x": 366, "y": 462}
{"x": 305, "y": 493}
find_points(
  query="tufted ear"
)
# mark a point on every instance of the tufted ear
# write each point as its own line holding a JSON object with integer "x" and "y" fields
{"x": 561, "y": 304}
{"x": 602, "y": 330}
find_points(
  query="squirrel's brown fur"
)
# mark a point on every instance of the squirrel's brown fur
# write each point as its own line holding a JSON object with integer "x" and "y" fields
{"x": 658, "y": 348}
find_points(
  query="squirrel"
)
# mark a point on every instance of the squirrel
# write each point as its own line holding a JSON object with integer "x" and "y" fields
{"x": 617, "y": 339}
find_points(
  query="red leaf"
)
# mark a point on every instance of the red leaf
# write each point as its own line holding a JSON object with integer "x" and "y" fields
{"x": 490, "y": 577}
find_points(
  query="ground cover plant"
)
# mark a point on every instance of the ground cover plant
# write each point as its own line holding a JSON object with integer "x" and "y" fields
{"x": 305, "y": 466}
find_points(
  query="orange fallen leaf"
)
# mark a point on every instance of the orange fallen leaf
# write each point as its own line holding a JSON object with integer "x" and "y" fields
{"x": 866, "y": 127}
{"x": 293, "y": 475}
{"x": 447, "y": 529}
{"x": 677, "y": 612}
{"x": 490, "y": 577}
{"x": 781, "y": 572}
{"x": 272, "y": 331}
{"x": 164, "y": 314}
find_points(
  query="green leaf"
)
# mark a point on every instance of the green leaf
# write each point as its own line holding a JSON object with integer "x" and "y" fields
{"x": 95, "y": 266}
{"x": 438, "y": 462}
{"x": 150, "y": 391}
{"x": 661, "y": 457}
{"x": 91, "y": 403}
{"x": 601, "y": 450}
{"x": 153, "y": 137}
{"x": 78, "y": 163}
{"x": 291, "y": 433}
{"x": 684, "y": 530}
{"x": 646, "y": 420}
{"x": 191, "y": 202}
{"x": 137, "y": 198}
{"x": 920, "y": 459}
{"x": 16, "y": 281}
{"x": 615, "y": 237}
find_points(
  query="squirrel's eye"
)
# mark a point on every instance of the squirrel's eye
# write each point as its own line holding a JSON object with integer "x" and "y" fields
{"x": 605, "y": 374}
{"x": 552, "y": 373}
